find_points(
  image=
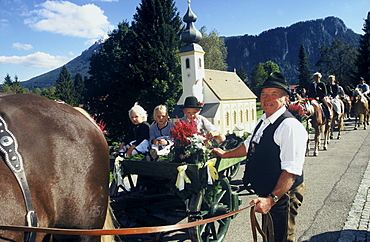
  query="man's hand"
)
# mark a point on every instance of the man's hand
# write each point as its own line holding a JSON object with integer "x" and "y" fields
{"x": 263, "y": 204}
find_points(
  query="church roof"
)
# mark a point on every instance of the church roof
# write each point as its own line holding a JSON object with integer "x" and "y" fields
{"x": 227, "y": 85}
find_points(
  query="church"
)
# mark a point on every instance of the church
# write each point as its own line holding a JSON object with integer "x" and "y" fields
{"x": 228, "y": 102}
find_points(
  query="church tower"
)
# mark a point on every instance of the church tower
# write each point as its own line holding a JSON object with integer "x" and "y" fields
{"x": 192, "y": 59}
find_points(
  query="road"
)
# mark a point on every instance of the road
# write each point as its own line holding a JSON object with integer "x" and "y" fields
{"x": 332, "y": 179}
{"x": 335, "y": 206}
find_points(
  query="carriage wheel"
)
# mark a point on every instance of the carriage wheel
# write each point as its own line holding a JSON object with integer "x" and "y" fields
{"x": 231, "y": 171}
{"x": 213, "y": 201}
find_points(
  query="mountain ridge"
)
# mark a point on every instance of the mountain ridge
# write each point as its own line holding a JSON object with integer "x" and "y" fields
{"x": 280, "y": 45}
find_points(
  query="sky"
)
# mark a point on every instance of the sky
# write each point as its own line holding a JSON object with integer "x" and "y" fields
{"x": 37, "y": 36}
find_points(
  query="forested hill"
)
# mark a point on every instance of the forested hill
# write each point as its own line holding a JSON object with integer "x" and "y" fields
{"x": 280, "y": 45}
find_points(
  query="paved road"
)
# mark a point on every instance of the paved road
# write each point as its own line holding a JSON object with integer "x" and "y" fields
{"x": 335, "y": 207}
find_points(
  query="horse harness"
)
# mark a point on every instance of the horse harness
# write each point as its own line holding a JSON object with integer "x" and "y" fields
{"x": 9, "y": 146}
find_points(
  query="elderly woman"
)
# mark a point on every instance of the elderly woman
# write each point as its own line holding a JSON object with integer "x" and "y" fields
{"x": 136, "y": 139}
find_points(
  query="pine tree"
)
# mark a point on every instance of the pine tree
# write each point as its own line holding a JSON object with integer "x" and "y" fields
{"x": 363, "y": 58}
{"x": 242, "y": 74}
{"x": 8, "y": 80}
{"x": 79, "y": 86}
{"x": 137, "y": 63}
{"x": 305, "y": 75}
{"x": 64, "y": 87}
{"x": 154, "y": 54}
{"x": 215, "y": 50}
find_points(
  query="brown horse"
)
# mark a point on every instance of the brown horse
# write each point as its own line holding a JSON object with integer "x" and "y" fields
{"x": 65, "y": 161}
{"x": 321, "y": 124}
{"x": 347, "y": 106}
{"x": 338, "y": 116}
{"x": 360, "y": 109}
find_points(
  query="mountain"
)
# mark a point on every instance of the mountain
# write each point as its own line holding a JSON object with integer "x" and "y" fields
{"x": 79, "y": 64}
{"x": 280, "y": 45}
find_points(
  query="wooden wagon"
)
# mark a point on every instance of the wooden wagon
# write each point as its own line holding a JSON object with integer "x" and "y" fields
{"x": 150, "y": 194}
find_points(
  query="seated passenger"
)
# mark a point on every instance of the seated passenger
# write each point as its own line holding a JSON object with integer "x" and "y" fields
{"x": 191, "y": 110}
{"x": 160, "y": 132}
{"x": 136, "y": 140}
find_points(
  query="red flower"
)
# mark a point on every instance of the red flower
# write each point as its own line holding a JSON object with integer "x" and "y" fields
{"x": 297, "y": 111}
{"x": 183, "y": 130}
{"x": 100, "y": 124}
{"x": 201, "y": 104}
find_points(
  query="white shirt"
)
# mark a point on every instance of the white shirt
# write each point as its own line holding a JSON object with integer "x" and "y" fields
{"x": 290, "y": 136}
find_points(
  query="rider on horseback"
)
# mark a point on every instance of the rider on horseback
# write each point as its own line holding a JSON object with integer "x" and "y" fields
{"x": 334, "y": 89}
{"x": 318, "y": 91}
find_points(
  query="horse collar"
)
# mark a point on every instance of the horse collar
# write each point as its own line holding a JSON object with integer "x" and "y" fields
{"x": 9, "y": 146}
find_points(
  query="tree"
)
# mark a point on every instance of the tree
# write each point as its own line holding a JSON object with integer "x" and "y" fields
{"x": 138, "y": 63}
{"x": 260, "y": 73}
{"x": 79, "y": 86}
{"x": 64, "y": 87}
{"x": 305, "y": 75}
{"x": 8, "y": 80}
{"x": 11, "y": 86}
{"x": 215, "y": 50}
{"x": 338, "y": 59}
{"x": 242, "y": 74}
{"x": 363, "y": 58}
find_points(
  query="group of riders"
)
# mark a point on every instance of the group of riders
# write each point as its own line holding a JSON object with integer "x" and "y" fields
{"x": 325, "y": 93}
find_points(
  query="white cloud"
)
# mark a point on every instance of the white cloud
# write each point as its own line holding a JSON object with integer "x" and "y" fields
{"x": 4, "y": 22}
{"x": 20, "y": 46}
{"x": 36, "y": 60}
{"x": 63, "y": 17}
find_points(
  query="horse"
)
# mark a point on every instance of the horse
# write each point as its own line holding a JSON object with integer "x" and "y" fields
{"x": 347, "y": 106}
{"x": 320, "y": 123}
{"x": 64, "y": 159}
{"x": 338, "y": 116}
{"x": 360, "y": 109}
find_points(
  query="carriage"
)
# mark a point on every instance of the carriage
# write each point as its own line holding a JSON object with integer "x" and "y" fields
{"x": 150, "y": 194}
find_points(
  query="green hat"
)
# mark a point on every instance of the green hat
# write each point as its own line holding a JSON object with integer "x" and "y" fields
{"x": 276, "y": 80}
{"x": 192, "y": 102}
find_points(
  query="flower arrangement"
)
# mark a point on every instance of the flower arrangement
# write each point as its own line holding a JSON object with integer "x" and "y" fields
{"x": 190, "y": 145}
{"x": 298, "y": 111}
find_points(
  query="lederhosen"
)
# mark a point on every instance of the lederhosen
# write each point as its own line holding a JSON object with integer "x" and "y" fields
{"x": 263, "y": 160}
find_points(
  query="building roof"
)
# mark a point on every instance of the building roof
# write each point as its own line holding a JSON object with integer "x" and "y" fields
{"x": 227, "y": 85}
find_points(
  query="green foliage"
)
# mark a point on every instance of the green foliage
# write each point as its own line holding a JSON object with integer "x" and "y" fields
{"x": 11, "y": 86}
{"x": 363, "y": 58}
{"x": 64, "y": 87}
{"x": 260, "y": 73}
{"x": 338, "y": 59}
{"x": 215, "y": 50}
{"x": 305, "y": 74}
{"x": 79, "y": 86}
{"x": 138, "y": 63}
{"x": 242, "y": 74}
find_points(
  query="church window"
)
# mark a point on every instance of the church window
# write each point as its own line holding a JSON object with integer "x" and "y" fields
{"x": 252, "y": 114}
{"x": 187, "y": 63}
{"x": 227, "y": 119}
{"x": 241, "y": 117}
{"x": 246, "y": 115}
{"x": 200, "y": 63}
{"x": 234, "y": 117}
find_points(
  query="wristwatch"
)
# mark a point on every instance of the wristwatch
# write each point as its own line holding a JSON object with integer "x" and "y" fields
{"x": 274, "y": 198}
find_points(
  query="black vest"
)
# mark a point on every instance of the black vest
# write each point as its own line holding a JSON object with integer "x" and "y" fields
{"x": 263, "y": 160}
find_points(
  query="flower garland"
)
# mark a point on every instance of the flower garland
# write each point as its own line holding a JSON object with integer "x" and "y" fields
{"x": 298, "y": 111}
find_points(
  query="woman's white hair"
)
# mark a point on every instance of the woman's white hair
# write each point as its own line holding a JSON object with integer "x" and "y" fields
{"x": 139, "y": 110}
{"x": 317, "y": 74}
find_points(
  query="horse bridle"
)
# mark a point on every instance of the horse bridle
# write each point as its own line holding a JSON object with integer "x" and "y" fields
{"x": 9, "y": 146}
